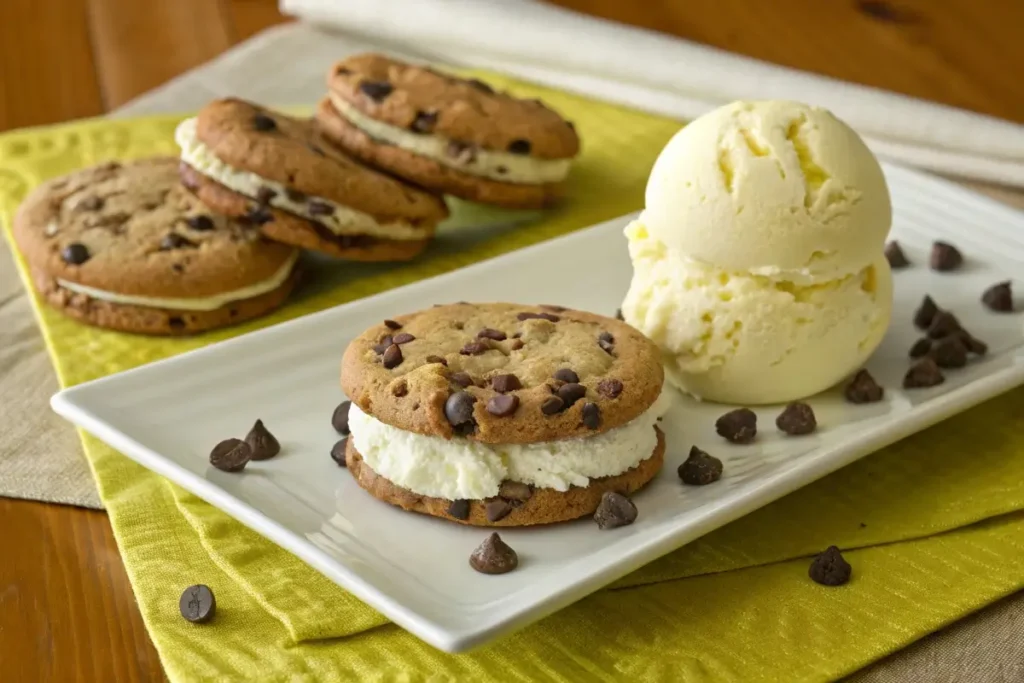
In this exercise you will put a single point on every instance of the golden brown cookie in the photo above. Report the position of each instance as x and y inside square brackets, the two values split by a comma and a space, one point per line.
[446, 133]
[125, 246]
[257, 164]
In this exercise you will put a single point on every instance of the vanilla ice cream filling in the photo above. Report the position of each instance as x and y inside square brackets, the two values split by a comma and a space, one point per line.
[486, 163]
[207, 303]
[459, 468]
[342, 220]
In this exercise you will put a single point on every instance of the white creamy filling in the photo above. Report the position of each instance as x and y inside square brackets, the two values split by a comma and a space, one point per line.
[503, 166]
[341, 220]
[462, 469]
[208, 303]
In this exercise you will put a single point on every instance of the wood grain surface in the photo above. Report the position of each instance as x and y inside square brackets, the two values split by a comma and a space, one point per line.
[66, 608]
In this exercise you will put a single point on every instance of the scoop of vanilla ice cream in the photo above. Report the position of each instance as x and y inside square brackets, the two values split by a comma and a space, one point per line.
[773, 188]
[749, 339]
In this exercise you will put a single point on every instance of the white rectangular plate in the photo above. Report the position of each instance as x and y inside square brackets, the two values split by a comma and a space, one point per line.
[414, 569]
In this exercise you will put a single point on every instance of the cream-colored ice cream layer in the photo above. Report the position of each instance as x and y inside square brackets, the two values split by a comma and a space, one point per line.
[208, 303]
[503, 166]
[342, 221]
[748, 339]
[774, 188]
[462, 469]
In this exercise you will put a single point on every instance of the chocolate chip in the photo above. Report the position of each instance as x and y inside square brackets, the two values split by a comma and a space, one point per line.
[829, 568]
[459, 509]
[526, 315]
[943, 324]
[264, 195]
[263, 123]
[392, 325]
[258, 215]
[796, 419]
[515, 491]
[519, 146]
[591, 415]
[458, 409]
[566, 375]
[553, 307]
[176, 323]
[570, 393]
[295, 195]
[262, 443]
[973, 345]
[895, 256]
[863, 389]
[173, 240]
[497, 509]
[925, 313]
[424, 122]
[607, 347]
[700, 468]
[614, 510]
[609, 388]
[339, 420]
[618, 314]
[552, 405]
[437, 359]
[945, 257]
[998, 298]
[921, 347]
[338, 452]
[75, 253]
[399, 389]
[606, 337]
[200, 223]
[479, 85]
[179, 268]
[463, 152]
[403, 338]
[505, 383]
[923, 374]
[950, 352]
[475, 348]
[230, 455]
[463, 379]
[376, 90]
[319, 208]
[737, 426]
[197, 604]
[392, 357]
[503, 405]
[489, 333]
[494, 556]
[516, 344]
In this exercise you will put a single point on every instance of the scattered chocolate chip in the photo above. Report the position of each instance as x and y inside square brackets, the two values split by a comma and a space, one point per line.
[75, 253]
[606, 337]
[392, 357]
[527, 315]
[922, 374]
[197, 604]
[200, 223]
[945, 257]
[231, 455]
[463, 152]
[609, 388]
[475, 348]
[382, 346]
[459, 509]
[295, 195]
[399, 389]
[403, 338]
[925, 313]
[515, 490]
[700, 468]
[566, 375]
[829, 568]
[437, 359]
[505, 383]
[591, 416]
[517, 335]
[489, 333]
[479, 85]
[618, 314]
[497, 509]
[262, 443]
[552, 405]
[338, 452]
[176, 323]
[463, 379]
[519, 146]
[264, 195]
[503, 405]
[319, 208]
[921, 347]
[392, 325]
[494, 556]
[173, 240]
[339, 420]
[737, 426]
[516, 344]
[607, 347]
[796, 419]
[614, 510]
[895, 256]
[570, 393]
[944, 324]
[424, 122]
[458, 409]
[263, 123]
[950, 352]
[973, 345]
[376, 90]
[180, 268]
[998, 298]
[863, 389]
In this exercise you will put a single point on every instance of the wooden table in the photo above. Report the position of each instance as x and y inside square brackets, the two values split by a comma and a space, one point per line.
[66, 608]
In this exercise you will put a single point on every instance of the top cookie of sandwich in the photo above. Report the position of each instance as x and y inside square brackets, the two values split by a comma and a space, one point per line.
[502, 373]
[291, 152]
[468, 111]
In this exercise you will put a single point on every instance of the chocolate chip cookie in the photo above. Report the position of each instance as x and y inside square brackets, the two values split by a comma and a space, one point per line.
[279, 174]
[453, 135]
[125, 246]
[503, 414]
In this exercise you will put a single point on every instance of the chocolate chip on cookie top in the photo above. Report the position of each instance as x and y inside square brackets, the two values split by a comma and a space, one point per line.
[502, 373]
[467, 111]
